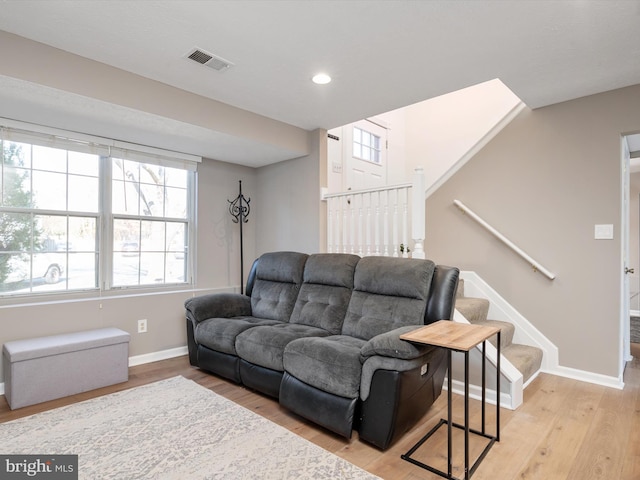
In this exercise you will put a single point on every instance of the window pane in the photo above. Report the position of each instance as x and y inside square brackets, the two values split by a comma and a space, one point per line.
[16, 187]
[126, 270]
[16, 231]
[16, 154]
[153, 174]
[175, 177]
[125, 198]
[15, 273]
[176, 203]
[49, 268]
[52, 231]
[176, 238]
[84, 164]
[84, 193]
[82, 272]
[126, 170]
[176, 268]
[357, 150]
[82, 235]
[151, 200]
[152, 237]
[151, 268]
[126, 237]
[49, 190]
[357, 135]
[50, 159]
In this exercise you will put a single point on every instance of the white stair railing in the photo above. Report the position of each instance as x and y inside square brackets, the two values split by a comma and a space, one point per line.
[377, 221]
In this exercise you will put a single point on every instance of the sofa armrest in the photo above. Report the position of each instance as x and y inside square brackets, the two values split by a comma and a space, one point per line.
[221, 305]
[390, 345]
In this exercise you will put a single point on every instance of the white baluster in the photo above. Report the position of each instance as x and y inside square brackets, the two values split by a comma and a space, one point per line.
[405, 226]
[418, 213]
[368, 224]
[376, 226]
[386, 227]
[396, 247]
[353, 224]
[341, 226]
[360, 227]
[330, 226]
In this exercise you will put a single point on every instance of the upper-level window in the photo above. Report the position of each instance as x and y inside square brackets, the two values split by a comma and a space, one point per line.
[366, 145]
[74, 216]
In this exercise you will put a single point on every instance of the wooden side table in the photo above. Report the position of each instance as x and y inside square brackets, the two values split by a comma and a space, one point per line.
[458, 337]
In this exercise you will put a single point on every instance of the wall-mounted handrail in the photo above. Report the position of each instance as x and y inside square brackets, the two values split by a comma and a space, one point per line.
[537, 267]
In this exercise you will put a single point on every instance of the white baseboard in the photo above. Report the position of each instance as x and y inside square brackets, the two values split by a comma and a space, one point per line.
[589, 377]
[475, 392]
[157, 356]
[145, 358]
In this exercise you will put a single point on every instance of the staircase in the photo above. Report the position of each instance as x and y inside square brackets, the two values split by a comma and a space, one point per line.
[526, 359]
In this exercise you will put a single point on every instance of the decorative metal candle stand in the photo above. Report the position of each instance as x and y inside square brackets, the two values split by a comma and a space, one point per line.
[239, 210]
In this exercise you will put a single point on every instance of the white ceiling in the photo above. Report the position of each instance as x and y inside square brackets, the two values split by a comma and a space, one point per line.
[382, 55]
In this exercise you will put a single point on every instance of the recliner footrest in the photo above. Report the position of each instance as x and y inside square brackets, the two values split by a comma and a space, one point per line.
[330, 411]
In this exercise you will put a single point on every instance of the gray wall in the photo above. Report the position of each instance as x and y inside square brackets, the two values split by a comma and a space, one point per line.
[289, 213]
[544, 182]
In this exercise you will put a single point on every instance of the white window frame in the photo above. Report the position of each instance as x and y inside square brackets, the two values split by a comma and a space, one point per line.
[371, 148]
[13, 130]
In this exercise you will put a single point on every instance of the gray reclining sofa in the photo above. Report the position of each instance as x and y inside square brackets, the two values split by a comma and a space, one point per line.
[321, 334]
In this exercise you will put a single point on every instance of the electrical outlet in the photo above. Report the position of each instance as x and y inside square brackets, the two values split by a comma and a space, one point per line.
[142, 326]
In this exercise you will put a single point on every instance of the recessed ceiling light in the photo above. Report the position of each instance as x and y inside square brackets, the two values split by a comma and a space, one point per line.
[321, 79]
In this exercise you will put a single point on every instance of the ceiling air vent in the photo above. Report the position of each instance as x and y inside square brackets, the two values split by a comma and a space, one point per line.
[208, 59]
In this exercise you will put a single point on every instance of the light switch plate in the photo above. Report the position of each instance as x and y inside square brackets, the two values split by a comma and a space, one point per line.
[604, 232]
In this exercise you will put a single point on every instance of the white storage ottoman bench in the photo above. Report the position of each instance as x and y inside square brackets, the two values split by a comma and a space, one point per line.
[41, 369]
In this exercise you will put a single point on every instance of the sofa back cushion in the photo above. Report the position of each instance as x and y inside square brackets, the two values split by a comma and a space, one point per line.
[325, 291]
[388, 293]
[277, 282]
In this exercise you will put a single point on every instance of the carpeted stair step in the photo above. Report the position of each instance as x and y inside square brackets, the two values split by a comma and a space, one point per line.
[460, 291]
[506, 331]
[474, 309]
[525, 358]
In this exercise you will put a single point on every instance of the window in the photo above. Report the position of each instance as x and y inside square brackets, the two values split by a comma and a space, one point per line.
[81, 216]
[366, 145]
[150, 223]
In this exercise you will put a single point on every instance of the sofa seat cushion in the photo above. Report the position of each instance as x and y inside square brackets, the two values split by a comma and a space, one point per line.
[331, 364]
[220, 333]
[265, 345]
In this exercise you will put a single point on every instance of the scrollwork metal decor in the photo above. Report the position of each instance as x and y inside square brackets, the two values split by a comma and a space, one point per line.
[239, 209]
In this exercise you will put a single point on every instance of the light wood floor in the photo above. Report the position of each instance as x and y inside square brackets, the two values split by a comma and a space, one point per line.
[565, 429]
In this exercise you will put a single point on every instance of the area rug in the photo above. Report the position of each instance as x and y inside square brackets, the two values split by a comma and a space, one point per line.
[172, 429]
